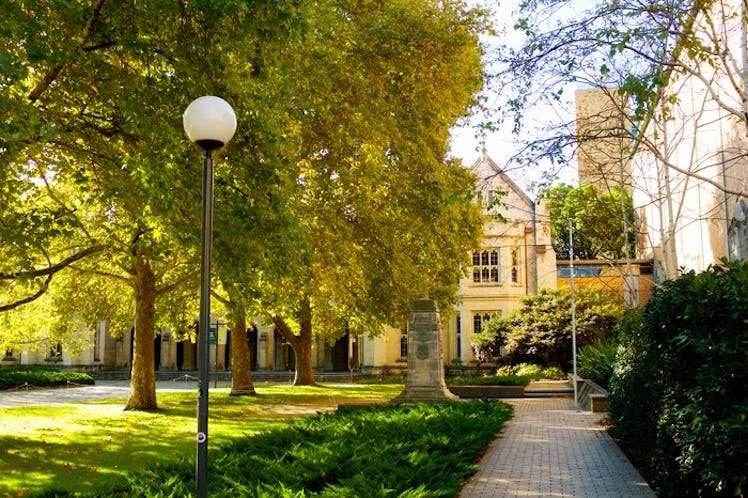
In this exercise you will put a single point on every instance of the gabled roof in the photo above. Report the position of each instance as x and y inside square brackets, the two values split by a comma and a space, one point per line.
[487, 170]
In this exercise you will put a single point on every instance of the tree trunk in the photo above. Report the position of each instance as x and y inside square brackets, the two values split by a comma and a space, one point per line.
[303, 351]
[241, 371]
[143, 377]
[301, 344]
[302, 348]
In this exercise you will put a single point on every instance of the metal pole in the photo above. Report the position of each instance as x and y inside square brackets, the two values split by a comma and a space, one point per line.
[215, 360]
[201, 470]
[573, 313]
[215, 363]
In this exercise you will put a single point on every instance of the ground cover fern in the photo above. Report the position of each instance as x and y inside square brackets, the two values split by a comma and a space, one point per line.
[404, 451]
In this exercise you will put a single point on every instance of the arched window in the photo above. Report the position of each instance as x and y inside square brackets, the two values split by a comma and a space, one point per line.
[486, 267]
[480, 319]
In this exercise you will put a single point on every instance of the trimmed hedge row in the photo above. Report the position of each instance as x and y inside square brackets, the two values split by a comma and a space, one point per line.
[679, 392]
[13, 377]
[488, 380]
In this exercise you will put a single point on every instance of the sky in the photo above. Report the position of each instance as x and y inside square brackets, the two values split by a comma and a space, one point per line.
[467, 143]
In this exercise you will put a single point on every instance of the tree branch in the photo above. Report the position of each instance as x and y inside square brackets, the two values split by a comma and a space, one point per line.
[37, 295]
[51, 270]
[283, 329]
[54, 72]
[180, 281]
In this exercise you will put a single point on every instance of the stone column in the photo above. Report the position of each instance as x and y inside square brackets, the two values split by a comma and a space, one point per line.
[263, 362]
[189, 355]
[168, 351]
[425, 378]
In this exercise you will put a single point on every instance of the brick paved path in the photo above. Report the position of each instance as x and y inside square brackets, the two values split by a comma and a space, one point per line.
[548, 449]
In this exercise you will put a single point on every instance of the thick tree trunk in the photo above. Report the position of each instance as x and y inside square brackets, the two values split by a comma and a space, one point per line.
[301, 344]
[241, 372]
[303, 348]
[143, 377]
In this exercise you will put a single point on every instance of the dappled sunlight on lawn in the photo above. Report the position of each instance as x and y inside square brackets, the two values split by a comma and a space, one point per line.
[83, 446]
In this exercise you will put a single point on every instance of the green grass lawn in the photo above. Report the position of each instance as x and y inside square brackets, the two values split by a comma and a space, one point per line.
[84, 446]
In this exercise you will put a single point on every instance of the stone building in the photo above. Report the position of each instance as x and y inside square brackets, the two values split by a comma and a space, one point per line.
[686, 162]
[514, 259]
[603, 135]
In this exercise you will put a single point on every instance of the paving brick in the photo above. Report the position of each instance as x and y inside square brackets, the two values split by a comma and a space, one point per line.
[550, 449]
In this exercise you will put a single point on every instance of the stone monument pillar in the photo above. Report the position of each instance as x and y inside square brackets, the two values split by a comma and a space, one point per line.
[425, 380]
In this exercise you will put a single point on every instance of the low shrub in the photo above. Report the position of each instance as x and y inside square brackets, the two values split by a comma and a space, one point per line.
[488, 380]
[542, 324]
[551, 372]
[679, 392]
[13, 377]
[488, 342]
[420, 450]
[533, 371]
[596, 362]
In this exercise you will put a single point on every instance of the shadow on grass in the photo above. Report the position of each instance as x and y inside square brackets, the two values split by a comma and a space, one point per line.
[84, 446]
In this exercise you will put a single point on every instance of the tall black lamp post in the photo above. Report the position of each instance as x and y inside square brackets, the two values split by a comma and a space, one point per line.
[210, 122]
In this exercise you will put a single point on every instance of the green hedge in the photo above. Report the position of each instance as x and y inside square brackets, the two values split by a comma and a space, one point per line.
[679, 392]
[407, 451]
[488, 380]
[533, 371]
[13, 377]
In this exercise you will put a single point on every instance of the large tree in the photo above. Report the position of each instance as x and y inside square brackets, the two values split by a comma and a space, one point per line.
[254, 230]
[382, 217]
[347, 125]
[600, 230]
[93, 93]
